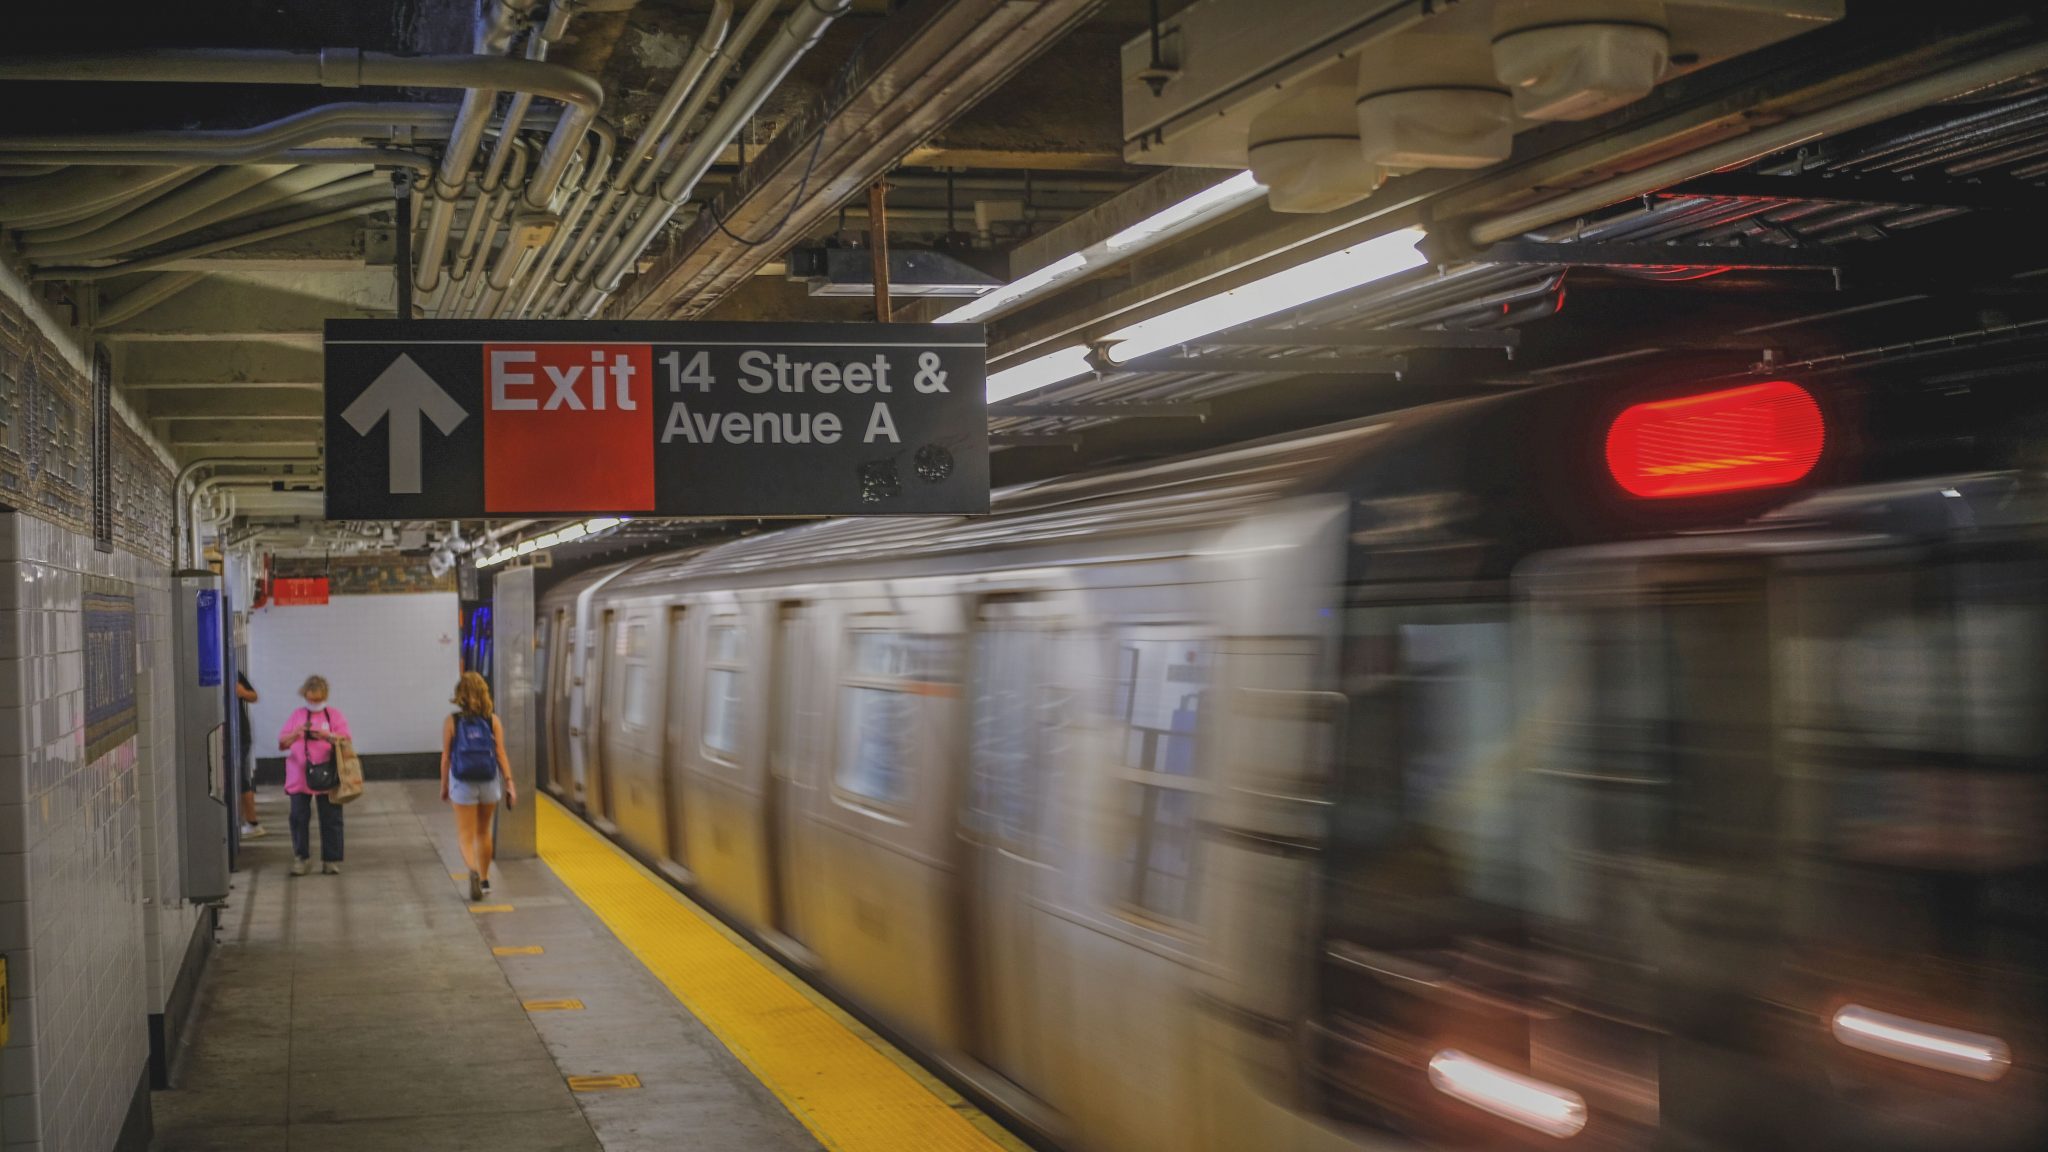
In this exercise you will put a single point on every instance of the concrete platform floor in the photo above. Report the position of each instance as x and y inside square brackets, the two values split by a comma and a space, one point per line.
[368, 1011]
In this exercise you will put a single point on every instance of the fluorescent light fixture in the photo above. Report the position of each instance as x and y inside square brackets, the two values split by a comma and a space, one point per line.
[563, 535]
[1968, 1054]
[1238, 190]
[1041, 372]
[1525, 1100]
[527, 546]
[1340, 271]
[1016, 290]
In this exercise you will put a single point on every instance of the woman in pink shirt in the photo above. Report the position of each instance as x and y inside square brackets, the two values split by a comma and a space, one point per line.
[308, 739]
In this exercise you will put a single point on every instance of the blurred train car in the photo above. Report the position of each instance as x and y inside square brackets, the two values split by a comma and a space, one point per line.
[1191, 806]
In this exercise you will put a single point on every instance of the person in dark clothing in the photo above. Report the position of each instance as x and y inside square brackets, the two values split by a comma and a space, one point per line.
[252, 825]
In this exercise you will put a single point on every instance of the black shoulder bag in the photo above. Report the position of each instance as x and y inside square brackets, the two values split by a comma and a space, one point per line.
[320, 777]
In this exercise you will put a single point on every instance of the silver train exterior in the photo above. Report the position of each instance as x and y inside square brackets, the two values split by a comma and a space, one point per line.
[1178, 807]
[1042, 792]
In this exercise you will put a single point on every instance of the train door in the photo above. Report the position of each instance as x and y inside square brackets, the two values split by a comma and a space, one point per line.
[560, 647]
[602, 712]
[675, 760]
[782, 802]
[1012, 708]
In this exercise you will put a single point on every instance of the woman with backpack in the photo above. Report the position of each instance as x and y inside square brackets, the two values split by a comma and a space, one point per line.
[475, 776]
[311, 771]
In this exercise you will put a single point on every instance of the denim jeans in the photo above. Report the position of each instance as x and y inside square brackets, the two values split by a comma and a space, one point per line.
[330, 827]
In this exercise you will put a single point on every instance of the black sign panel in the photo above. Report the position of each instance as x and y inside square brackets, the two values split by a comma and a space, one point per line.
[465, 419]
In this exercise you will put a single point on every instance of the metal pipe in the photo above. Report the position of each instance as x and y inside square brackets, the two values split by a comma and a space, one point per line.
[638, 188]
[69, 196]
[180, 509]
[348, 118]
[223, 244]
[595, 175]
[493, 36]
[492, 206]
[165, 220]
[102, 219]
[792, 41]
[1846, 116]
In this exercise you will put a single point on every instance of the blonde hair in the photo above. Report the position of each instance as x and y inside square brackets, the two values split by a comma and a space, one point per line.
[472, 695]
[314, 684]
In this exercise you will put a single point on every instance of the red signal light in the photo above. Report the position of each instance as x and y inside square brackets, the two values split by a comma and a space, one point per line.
[1757, 436]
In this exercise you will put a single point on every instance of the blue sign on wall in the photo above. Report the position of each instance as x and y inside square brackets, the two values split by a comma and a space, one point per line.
[209, 638]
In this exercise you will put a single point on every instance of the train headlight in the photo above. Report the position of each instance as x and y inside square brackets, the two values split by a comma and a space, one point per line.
[1952, 1050]
[1547, 1108]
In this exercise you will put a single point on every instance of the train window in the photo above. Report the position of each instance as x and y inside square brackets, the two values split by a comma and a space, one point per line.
[722, 688]
[1161, 685]
[1012, 707]
[889, 675]
[1421, 842]
[638, 677]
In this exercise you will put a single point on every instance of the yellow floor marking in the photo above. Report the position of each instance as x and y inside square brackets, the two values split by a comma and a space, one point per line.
[603, 1083]
[552, 1005]
[482, 908]
[458, 875]
[517, 950]
[853, 1095]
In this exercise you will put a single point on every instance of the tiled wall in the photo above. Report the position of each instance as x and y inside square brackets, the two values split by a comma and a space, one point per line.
[89, 915]
[390, 661]
[90, 922]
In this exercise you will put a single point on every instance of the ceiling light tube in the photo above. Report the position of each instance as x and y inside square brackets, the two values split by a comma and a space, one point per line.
[1016, 290]
[1214, 200]
[1340, 271]
[1041, 372]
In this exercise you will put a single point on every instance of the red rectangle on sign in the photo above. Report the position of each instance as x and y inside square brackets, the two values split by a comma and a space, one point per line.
[568, 428]
[298, 591]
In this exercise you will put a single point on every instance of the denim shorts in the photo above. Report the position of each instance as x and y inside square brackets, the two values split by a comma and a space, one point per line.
[490, 791]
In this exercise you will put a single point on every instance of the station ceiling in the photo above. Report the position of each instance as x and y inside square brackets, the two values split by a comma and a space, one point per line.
[1904, 236]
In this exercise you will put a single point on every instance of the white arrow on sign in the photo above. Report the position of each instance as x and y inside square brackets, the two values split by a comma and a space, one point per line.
[404, 394]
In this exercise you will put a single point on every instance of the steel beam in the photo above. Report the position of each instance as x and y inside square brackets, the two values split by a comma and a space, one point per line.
[1117, 409]
[1268, 365]
[931, 61]
[1368, 338]
[1936, 192]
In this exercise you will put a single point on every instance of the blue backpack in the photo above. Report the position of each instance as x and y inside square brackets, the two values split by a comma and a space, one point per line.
[474, 759]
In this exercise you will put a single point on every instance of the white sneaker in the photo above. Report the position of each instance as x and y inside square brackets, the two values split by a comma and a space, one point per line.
[330, 869]
[254, 832]
[299, 866]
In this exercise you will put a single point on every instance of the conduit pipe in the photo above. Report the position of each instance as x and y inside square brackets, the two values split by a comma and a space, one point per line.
[194, 197]
[493, 37]
[87, 225]
[796, 37]
[223, 244]
[595, 175]
[657, 140]
[1750, 146]
[301, 186]
[181, 509]
[493, 203]
[69, 196]
[224, 146]
[581, 96]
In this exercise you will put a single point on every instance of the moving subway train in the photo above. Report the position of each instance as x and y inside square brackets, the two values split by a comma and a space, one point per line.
[1631, 771]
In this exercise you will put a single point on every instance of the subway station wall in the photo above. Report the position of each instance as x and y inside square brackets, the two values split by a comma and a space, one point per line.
[390, 661]
[95, 935]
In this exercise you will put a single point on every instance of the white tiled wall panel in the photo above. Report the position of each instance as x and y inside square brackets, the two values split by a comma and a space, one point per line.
[89, 918]
[391, 662]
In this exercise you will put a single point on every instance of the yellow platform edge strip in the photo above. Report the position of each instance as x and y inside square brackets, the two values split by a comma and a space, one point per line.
[852, 1093]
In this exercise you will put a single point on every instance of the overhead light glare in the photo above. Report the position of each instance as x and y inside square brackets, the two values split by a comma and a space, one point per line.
[1527, 1101]
[1968, 1054]
[1340, 271]
[1240, 189]
[1042, 372]
[1016, 289]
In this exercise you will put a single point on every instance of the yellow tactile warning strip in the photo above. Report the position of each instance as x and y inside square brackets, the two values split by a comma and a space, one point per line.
[603, 1083]
[851, 1094]
[517, 950]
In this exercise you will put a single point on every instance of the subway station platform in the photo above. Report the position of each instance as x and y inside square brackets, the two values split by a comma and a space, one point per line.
[586, 1005]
